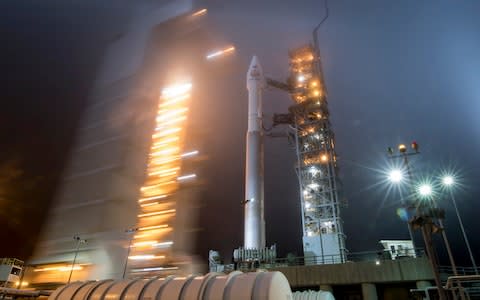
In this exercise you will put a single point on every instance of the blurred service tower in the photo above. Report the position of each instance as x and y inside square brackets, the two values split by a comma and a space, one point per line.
[129, 189]
[254, 172]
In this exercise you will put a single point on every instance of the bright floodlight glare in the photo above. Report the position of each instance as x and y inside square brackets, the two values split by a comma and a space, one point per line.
[425, 190]
[448, 180]
[175, 90]
[395, 176]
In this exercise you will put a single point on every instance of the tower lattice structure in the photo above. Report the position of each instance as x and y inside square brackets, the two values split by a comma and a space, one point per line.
[323, 236]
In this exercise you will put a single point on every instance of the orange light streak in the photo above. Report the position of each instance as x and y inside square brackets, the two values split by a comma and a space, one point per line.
[147, 228]
[199, 13]
[149, 204]
[164, 114]
[146, 257]
[166, 132]
[176, 90]
[165, 151]
[220, 52]
[144, 243]
[157, 213]
[164, 142]
[139, 236]
[174, 121]
[152, 198]
[164, 161]
[163, 171]
[174, 100]
[148, 187]
[171, 174]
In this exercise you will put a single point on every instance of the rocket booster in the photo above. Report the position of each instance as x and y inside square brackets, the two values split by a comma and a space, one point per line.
[254, 233]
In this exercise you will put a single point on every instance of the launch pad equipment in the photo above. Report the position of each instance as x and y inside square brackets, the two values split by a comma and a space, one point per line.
[316, 167]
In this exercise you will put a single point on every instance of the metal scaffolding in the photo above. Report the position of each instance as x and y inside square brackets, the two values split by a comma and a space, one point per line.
[323, 237]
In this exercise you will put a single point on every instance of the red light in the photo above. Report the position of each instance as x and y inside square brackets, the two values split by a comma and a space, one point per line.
[415, 146]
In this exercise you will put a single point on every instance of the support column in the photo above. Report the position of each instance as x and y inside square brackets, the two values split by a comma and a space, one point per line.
[369, 291]
[326, 288]
[423, 284]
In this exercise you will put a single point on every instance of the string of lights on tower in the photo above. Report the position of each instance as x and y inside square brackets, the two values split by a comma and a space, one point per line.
[323, 237]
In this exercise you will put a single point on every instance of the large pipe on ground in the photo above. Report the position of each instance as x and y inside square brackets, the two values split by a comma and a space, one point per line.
[213, 286]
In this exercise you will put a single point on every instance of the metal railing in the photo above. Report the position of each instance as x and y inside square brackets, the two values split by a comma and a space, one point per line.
[461, 271]
[364, 256]
[464, 287]
[11, 262]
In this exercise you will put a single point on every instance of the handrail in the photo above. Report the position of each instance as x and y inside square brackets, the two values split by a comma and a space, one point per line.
[460, 270]
[364, 256]
[452, 279]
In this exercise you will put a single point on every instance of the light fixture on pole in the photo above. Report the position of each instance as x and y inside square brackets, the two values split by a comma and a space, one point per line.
[395, 176]
[426, 193]
[448, 182]
[423, 219]
[425, 190]
[79, 241]
[129, 231]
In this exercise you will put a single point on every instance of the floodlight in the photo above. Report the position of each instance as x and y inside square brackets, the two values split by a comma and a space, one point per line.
[425, 190]
[448, 180]
[395, 176]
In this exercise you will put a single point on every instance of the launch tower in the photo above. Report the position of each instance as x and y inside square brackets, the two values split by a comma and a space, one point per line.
[323, 237]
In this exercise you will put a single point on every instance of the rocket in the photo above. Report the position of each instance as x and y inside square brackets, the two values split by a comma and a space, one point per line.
[254, 231]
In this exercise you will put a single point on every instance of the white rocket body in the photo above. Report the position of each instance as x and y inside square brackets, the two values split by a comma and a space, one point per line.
[254, 173]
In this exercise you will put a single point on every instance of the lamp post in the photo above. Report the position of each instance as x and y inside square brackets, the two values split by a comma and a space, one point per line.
[423, 219]
[79, 241]
[130, 231]
[396, 176]
[448, 181]
[426, 192]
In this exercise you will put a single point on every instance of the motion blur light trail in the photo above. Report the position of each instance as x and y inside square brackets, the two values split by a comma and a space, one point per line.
[220, 52]
[158, 193]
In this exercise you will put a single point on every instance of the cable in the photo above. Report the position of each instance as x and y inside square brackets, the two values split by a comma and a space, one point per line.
[317, 47]
[325, 2]
[315, 30]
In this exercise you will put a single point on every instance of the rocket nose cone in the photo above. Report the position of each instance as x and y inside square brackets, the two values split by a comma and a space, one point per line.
[255, 71]
[254, 62]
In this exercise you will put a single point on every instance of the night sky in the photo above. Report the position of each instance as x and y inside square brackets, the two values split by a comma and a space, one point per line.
[396, 71]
